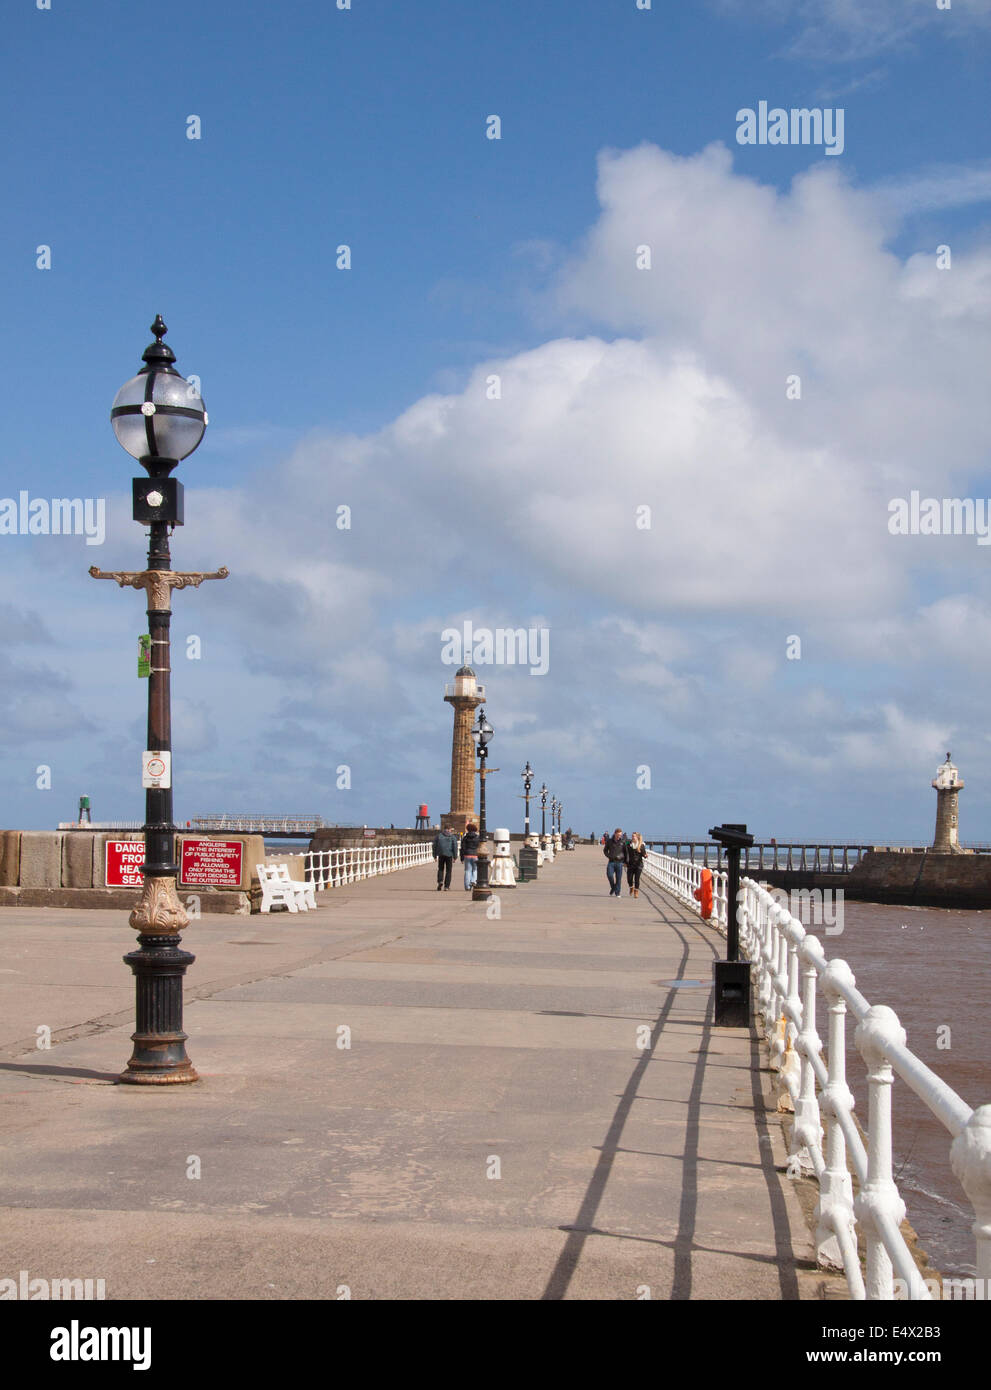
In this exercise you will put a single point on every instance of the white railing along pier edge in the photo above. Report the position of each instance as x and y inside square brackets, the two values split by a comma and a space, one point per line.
[789, 965]
[334, 868]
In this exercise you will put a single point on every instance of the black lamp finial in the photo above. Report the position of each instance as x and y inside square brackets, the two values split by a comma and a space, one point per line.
[158, 355]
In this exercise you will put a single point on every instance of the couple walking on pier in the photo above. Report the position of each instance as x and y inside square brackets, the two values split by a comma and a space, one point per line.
[446, 849]
[625, 853]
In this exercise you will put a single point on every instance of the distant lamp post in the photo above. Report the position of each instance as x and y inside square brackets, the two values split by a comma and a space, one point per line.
[547, 845]
[482, 734]
[527, 775]
[159, 418]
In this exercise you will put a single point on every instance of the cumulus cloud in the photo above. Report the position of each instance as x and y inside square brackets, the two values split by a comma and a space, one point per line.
[642, 485]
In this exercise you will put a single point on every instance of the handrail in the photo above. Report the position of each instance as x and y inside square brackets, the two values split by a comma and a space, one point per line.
[789, 964]
[334, 868]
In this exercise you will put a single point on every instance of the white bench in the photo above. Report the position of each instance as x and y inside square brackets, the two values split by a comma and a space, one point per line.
[277, 887]
[305, 892]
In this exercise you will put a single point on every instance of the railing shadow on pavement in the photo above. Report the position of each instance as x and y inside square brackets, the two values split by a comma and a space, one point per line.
[683, 1245]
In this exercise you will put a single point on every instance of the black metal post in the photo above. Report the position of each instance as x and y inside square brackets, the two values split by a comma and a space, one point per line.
[732, 976]
[481, 891]
[159, 964]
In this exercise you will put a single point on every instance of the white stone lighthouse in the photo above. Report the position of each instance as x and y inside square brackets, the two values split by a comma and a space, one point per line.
[948, 784]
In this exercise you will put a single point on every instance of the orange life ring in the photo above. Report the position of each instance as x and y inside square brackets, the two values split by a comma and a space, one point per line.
[703, 894]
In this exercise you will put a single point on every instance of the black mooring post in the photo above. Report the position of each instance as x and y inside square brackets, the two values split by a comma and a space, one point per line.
[731, 977]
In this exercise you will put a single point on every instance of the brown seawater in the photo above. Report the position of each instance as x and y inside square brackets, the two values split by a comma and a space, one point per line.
[933, 967]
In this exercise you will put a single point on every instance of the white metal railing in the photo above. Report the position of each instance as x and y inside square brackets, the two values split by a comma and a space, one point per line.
[681, 877]
[789, 965]
[333, 868]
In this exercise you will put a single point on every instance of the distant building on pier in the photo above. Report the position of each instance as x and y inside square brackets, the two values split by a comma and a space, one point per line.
[948, 785]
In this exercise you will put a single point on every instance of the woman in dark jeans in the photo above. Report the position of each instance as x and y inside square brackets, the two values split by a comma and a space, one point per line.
[636, 853]
[469, 855]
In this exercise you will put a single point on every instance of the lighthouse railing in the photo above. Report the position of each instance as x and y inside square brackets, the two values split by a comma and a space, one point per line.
[826, 1142]
[336, 868]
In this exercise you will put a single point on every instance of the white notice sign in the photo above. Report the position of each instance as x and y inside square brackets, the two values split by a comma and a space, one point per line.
[156, 769]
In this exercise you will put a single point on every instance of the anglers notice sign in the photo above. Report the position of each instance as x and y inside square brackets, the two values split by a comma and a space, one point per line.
[213, 862]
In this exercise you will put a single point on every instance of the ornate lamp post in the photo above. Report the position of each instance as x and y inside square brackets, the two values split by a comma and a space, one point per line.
[159, 418]
[527, 775]
[482, 734]
[547, 846]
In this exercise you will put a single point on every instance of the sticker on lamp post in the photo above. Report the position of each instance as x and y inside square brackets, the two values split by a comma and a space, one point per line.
[144, 655]
[156, 769]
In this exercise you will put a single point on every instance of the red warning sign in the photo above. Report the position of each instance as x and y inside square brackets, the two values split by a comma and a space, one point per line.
[123, 863]
[216, 863]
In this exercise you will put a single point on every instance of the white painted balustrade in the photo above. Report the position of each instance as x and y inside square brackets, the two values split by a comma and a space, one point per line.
[681, 878]
[788, 968]
[334, 868]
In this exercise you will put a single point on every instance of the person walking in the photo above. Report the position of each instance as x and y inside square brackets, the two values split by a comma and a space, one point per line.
[469, 856]
[636, 853]
[615, 851]
[445, 852]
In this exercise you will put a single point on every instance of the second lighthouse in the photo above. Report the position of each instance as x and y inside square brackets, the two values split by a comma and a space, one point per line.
[465, 695]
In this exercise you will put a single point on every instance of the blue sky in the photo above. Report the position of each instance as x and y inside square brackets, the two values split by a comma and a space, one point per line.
[366, 387]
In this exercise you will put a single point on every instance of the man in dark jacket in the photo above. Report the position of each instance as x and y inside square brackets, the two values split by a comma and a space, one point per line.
[615, 852]
[445, 852]
[469, 854]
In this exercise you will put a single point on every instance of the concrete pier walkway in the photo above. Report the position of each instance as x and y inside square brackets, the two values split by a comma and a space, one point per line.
[495, 1130]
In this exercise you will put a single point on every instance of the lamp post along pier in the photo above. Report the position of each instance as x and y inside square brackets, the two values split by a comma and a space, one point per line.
[482, 734]
[546, 842]
[159, 418]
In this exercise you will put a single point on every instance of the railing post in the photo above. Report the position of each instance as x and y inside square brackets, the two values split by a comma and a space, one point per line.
[791, 1067]
[807, 1131]
[970, 1157]
[878, 1200]
[762, 957]
[779, 978]
[835, 1207]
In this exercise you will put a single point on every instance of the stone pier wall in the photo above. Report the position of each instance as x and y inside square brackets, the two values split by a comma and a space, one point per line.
[920, 878]
[67, 868]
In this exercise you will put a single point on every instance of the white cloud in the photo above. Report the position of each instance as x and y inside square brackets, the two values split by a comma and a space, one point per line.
[668, 391]
[893, 740]
[852, 30]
